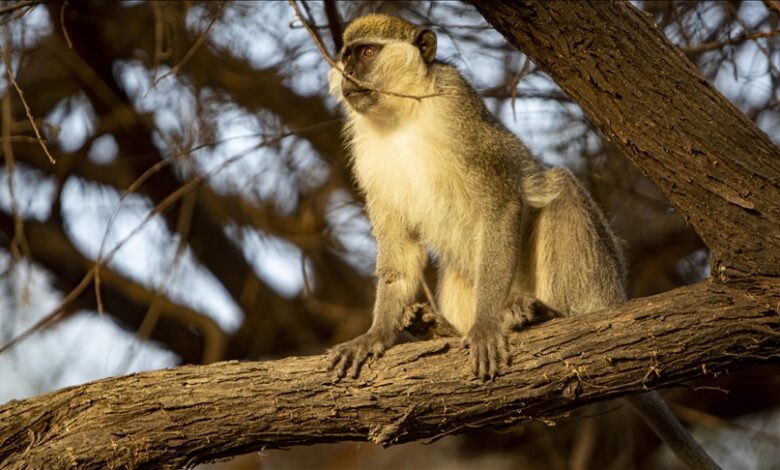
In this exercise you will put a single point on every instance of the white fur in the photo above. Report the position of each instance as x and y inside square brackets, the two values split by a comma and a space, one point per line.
[403, 161]
[407, 171]
[411, 180]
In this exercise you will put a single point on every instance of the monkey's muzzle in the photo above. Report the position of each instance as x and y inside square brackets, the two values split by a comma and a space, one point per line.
[360, 99]
[350, 89]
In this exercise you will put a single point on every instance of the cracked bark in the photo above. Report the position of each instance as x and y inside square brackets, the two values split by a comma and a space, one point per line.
[182, 416]
[719, 169]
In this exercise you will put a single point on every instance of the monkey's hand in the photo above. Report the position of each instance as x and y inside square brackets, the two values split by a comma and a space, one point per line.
[356, 352]
[488, 348]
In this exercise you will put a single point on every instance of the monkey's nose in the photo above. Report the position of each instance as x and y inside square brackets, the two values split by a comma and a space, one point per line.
[349, 88]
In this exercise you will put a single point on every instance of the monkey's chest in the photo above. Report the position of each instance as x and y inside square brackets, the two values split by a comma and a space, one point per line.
[416, 184]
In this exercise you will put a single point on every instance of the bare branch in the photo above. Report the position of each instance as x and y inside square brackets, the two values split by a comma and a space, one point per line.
[9, 72]
[191, 51]
[103, 259]
[62, 25]
[744, 37]
[20, 249]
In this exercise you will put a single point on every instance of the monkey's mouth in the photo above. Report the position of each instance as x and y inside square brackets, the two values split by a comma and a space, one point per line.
[355, 92]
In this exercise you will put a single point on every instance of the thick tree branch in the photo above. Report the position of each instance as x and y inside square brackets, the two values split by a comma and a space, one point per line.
[714, 164]
[192, 414]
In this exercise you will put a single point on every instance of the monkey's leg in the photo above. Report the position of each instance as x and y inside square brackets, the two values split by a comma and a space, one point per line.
[456, 299]
[497, 259]
[400, 261]
[458, 304]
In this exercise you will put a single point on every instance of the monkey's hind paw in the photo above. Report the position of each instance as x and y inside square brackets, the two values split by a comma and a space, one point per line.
[524, 309]
[423, 322]
[351, 356]
[488, 350]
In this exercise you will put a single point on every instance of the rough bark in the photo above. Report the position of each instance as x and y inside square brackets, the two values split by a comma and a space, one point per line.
[719, 169]
[192, 414]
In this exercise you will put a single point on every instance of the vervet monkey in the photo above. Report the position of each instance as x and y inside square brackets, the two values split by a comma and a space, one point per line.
[440, 173]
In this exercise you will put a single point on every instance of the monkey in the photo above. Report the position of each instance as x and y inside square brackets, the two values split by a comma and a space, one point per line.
[443, 177]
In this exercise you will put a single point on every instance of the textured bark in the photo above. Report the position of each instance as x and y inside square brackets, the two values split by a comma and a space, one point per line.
[191, 414]
[719, 169]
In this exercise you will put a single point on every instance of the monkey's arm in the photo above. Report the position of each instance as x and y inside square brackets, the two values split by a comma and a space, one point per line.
[499, 243]
[399, 265]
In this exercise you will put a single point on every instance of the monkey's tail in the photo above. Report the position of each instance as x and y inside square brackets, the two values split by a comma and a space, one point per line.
[658, 416]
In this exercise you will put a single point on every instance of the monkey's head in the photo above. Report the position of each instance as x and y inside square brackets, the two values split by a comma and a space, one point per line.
[385, 53]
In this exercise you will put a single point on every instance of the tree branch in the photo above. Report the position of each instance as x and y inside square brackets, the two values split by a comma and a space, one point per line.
[719, 169]
[421, 390]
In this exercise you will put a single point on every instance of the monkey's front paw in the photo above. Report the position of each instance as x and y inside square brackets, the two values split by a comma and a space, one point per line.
[488, 349]
[356, 352]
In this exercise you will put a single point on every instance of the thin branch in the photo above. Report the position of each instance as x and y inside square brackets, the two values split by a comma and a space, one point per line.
[158, 38]
[9, 72]
[16, 15]
[192, 50]
[62, 25]
[694, 416]
[15, 6]
[20, 248]
[154, 311]
[739, 39]
[103, 259]
[334, 23]
[430, 297]
[772, 5]
[53, 314]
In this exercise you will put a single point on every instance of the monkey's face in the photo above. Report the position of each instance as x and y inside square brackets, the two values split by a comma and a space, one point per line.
[379, 66]
[359, 61]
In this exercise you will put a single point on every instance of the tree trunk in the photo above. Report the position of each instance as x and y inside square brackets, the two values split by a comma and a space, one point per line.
[719, 169]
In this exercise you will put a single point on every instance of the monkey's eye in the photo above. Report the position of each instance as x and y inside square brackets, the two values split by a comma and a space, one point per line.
[346, 56]
[367, 52]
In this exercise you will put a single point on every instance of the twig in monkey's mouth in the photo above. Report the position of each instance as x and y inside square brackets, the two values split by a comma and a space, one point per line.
[355, 92]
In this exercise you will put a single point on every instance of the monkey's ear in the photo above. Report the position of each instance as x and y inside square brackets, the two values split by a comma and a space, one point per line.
[425, 40]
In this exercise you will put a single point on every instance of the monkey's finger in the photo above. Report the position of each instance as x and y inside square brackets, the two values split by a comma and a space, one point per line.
[493, 359]
[361, 355]
[334, 356]
[341, 364]
[503, 351]
[474, 359]
[484, 360]
[377, 350]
